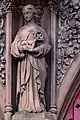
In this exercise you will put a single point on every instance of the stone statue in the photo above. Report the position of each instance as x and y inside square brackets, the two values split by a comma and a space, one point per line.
[30, 47]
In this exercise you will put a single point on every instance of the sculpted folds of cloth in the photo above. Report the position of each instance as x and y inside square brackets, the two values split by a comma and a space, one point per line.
[30, 47]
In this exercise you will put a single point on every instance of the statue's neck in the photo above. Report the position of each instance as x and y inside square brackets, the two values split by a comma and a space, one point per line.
[31, 22]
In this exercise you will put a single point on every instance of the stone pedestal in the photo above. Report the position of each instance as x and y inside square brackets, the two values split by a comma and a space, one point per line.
[32, 116]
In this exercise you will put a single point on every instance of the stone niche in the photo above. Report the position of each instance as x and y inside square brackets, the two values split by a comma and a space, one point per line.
[18, 22]
[14, 21]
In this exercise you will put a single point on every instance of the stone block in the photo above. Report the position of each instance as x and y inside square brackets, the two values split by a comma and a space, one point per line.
[32, 116]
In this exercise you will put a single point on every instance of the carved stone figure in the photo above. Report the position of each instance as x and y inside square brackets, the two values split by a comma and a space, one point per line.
[30, 47]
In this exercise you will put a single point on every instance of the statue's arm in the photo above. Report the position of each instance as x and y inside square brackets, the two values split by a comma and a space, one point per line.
[41, 50]
[16, 48]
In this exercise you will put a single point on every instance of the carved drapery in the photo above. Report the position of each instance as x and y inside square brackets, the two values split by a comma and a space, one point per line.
[68, 36]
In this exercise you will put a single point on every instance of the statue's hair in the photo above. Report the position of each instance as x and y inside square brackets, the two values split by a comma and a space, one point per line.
[31, 8]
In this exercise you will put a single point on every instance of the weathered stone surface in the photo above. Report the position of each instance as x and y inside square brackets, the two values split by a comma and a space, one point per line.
[32, 116]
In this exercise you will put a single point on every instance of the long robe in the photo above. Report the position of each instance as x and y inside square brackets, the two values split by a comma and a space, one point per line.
[31, 71]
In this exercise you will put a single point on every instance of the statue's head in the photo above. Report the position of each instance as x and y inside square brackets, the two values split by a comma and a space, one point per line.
[29, 12]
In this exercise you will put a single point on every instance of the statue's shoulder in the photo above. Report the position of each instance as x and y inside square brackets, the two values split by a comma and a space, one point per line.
[39, 28]
[22, 28]
[28, 27]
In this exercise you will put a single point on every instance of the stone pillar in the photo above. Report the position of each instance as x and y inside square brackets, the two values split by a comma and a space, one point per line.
[52, 8]
[8, 107]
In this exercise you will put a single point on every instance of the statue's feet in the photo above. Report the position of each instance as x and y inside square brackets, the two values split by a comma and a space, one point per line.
[31, 110]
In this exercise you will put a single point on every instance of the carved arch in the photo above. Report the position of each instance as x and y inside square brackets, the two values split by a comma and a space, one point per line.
[69, 87]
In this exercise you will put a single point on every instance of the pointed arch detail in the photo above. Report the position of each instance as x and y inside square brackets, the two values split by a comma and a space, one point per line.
[68, 88]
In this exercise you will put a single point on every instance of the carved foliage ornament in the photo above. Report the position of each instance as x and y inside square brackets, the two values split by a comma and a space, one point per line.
[8, 5]
[2, 45]
[68, 37]
[52, 5]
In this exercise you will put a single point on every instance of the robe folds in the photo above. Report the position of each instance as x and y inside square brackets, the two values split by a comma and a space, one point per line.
[31, 71]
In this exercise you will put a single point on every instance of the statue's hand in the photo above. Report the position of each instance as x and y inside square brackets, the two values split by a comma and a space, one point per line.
[22, 45]
[37, 49]
[28, 45]
[23, 42]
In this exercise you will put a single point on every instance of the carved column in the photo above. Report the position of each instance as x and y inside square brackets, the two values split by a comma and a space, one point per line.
[53, 109]
[8, 107]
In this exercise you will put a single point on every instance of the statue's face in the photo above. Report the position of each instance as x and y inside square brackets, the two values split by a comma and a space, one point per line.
[28, 14]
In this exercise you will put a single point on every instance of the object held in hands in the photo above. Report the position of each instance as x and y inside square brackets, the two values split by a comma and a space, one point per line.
[33, 40]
